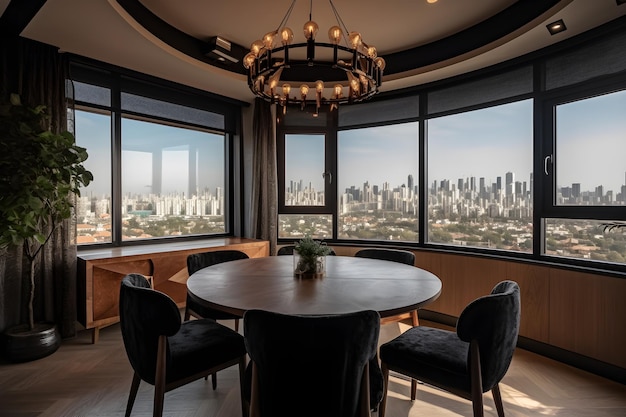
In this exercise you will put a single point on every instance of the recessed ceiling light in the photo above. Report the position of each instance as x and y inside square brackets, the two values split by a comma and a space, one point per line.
[435, 1]
[556, 27]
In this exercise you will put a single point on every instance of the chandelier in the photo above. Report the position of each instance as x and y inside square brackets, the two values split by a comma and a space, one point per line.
[276, 66]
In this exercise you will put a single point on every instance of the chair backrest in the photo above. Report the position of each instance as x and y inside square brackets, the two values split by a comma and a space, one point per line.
[493, 321]
[394, 255]
[310, 366]
[197, 261]
[288, 250]
[145, 314]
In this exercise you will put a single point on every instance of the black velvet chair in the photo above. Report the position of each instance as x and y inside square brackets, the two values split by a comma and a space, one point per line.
[312, 366]
[393, 255]
[288, 250]
[197, 261]
[165, 353]
[467, 362]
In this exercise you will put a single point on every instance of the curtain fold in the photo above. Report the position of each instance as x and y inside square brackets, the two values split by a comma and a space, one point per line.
[38, 73]
[264, 175]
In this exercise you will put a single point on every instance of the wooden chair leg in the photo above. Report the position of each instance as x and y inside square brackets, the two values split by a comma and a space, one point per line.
[364, 394]
[476, 380]
[214, 380]
[245, 406]
[134, 387]
[414, 318]
[237, 325]
[383, 403]
[497, 398]
[413, 389]
[254, 393]
[159, 380]
[187, 314]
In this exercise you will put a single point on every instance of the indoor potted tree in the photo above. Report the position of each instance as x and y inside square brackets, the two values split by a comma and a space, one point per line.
[40, 172]
[309, 258]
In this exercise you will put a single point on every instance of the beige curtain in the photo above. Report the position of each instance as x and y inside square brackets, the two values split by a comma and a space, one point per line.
[37, 72]
[264, 175]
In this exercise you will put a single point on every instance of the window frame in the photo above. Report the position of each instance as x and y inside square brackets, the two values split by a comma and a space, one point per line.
[543, 187]
[119, 81]
[547, 152]
[330, 184]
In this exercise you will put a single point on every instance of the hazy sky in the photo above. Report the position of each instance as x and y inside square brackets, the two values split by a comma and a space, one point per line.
[591, 142]
[486, 143]
[591, 147]
[139, 141]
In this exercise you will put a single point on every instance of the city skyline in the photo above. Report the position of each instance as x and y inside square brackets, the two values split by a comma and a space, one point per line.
[495, 139]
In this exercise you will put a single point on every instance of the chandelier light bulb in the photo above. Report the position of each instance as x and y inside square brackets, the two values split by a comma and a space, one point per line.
[256, 47]
[319, 86]
[310, 29]
[338, 90]
[286, 36]
[355, 39]
[380, 63]
[304, 90]
[354, 85]
[260, 83]
[334, 34]
[268, 39]
[286, 90]
[371, 52]
[248, 60]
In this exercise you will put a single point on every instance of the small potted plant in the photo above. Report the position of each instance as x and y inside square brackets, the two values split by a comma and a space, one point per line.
[309, 258]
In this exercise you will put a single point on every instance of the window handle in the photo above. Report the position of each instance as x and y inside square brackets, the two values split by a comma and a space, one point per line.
[545, 163]
[329, 175]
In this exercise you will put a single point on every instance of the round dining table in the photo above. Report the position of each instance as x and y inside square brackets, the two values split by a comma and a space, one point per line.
[349, 284]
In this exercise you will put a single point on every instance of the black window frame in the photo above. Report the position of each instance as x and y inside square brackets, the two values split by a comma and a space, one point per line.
[548, 150]
[119, 81]
[544, 101]
[330, 185]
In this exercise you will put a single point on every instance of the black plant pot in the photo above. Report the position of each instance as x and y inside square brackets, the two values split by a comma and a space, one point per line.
[23, 345]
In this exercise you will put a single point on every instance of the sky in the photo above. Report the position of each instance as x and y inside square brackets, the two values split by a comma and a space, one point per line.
[485, 143]
[138, 141]
[591, 142]
[591, 149]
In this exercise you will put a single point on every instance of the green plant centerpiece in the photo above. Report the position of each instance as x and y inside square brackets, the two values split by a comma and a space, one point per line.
[310, 257]
[40, 173]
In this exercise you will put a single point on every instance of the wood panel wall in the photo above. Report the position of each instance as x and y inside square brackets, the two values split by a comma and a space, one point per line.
[581, 312]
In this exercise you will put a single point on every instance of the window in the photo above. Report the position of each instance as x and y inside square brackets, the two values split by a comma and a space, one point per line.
[377, 168]
[480, 178]
[590, 149]
[172, 181]
[525, 159]
[587, 177]
[93, 209]
[305, 170]
[307, 179]
[161, 158]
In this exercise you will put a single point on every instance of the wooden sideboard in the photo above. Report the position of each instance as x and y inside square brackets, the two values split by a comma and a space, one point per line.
[101, 270]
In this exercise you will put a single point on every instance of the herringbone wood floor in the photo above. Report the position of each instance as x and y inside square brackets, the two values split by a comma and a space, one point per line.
[82, 379]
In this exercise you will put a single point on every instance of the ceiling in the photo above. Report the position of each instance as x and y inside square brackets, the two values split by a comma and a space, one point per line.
[422, 42]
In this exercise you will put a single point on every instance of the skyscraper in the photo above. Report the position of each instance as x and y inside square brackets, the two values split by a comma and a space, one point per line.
[510, 181]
